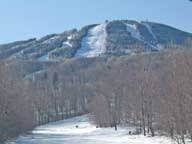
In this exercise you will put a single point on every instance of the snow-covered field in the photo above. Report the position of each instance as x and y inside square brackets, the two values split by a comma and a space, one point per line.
[65, 132]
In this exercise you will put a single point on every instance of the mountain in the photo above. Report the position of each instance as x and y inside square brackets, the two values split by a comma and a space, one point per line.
[119, 37]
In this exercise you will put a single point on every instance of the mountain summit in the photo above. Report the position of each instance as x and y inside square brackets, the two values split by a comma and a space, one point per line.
[119, 37]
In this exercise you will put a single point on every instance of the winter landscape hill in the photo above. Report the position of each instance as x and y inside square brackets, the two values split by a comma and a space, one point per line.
[95, 72]
[120, 81]
[118, 37]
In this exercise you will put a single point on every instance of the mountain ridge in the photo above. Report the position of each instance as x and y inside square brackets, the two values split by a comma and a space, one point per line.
[117, 37]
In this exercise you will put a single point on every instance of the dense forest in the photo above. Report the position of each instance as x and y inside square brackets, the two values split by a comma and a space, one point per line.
[150, 91]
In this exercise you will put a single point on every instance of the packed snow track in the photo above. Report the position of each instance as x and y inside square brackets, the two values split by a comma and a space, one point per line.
[79, 130]
[93, 45]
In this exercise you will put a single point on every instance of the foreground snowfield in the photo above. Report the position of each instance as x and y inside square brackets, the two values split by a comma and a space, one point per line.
[65, 132]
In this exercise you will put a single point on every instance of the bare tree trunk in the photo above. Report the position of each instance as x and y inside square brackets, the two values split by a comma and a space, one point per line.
[143, 120]
[183, 137]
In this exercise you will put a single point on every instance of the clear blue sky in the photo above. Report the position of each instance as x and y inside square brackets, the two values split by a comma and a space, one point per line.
[23, 19]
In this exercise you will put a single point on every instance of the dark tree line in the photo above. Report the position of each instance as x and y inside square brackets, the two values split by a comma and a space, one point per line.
[16, 108]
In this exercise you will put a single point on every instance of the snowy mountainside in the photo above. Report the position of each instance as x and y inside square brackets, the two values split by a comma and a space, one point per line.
[93, 44]
[118, 37]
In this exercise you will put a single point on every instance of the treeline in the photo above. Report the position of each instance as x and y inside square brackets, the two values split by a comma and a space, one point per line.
[16, 107]
[152, 92]
[25, 104]
[56, 101]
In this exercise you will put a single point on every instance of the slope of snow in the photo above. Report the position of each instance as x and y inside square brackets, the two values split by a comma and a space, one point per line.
[134, 31]
[67, 44]
[46, 56]
[150, 30]
[93, 44]
[65, 132]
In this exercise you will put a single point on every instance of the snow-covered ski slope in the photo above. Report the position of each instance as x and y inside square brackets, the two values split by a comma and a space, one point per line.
[65, 132]
[93, 44]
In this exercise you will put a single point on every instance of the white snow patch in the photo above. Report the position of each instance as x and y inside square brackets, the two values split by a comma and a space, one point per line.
[69, 37]
[136, 34]
[93, 44]
[55, 37]
[134, 31]
[65, 132]
[150, 30]
[66, 44]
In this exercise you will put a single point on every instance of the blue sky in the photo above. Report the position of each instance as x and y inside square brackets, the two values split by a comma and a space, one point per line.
[23, 19]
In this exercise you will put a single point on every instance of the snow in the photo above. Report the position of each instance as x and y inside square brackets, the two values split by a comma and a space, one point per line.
[66, 44]
[45, 57]
[69, 37]
[159, 47]
[134, 31]
[19, 53]
[136, 34]
[150, 30]
[65, 132]
[48, 41]
[93, 44]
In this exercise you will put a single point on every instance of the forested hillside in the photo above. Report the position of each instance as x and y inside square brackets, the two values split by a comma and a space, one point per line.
[151, 91]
